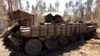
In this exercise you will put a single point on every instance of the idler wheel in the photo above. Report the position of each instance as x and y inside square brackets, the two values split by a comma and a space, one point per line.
[63, 40]
[33, 46]
[51, 44]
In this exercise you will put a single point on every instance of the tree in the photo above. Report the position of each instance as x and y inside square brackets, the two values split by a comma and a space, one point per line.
[81, 10]
[57, 6]
[3, 10]
[20, 4]
[43, 7]
[71, 7]
[97, 9]
[96, 12]
[14, 4]
[76, 10]
[65, 14]
[70, 3]
[40, 6]
[27, 5]
[51, 8]
[89, 9]
[34, 11]
[2, 7]
[66, 7]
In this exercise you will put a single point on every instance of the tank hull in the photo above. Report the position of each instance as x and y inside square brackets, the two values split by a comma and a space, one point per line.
[35, 39]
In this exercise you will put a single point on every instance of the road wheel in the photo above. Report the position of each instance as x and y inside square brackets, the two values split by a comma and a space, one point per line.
[33, 46]
[63, 40]
[51, 44]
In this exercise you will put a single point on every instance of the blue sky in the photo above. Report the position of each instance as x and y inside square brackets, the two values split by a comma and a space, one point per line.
[61, 3]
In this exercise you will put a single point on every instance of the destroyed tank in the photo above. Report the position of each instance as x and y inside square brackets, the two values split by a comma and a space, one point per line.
[34, 39]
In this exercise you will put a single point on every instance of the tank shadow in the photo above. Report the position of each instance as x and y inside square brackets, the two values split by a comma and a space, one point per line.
[67, 48]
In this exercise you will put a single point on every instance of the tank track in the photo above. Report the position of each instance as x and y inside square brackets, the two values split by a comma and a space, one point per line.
[19, 51]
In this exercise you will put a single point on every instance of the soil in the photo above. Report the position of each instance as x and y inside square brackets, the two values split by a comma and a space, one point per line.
[82, 48]
[3, 51]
